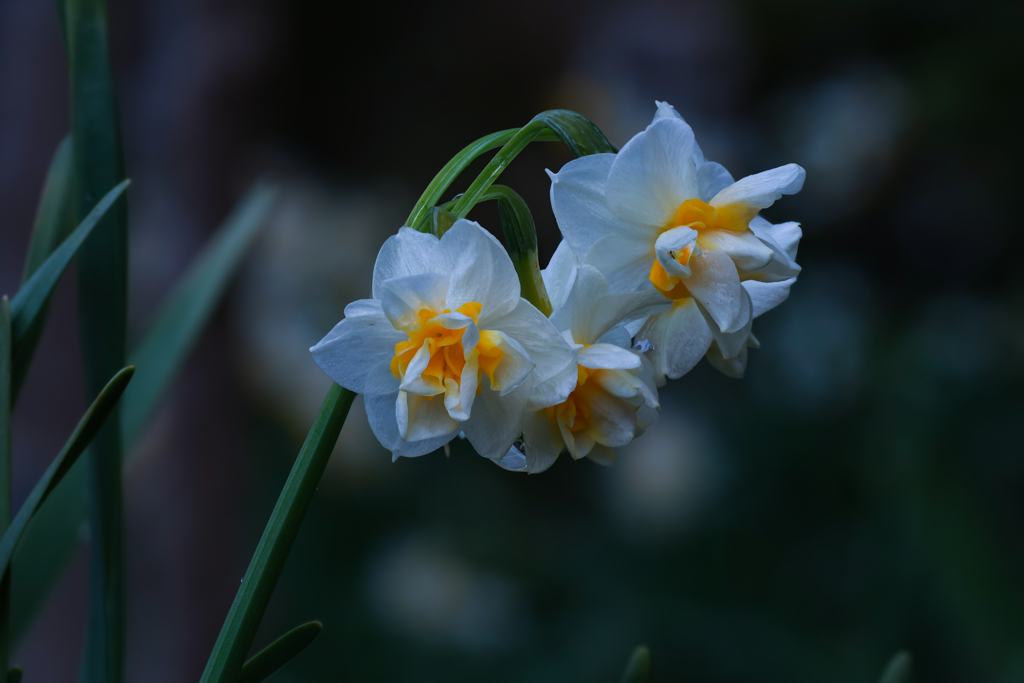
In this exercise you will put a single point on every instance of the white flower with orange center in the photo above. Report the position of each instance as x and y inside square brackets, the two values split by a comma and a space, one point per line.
[445, 345]
[613, 399]
[658, 215]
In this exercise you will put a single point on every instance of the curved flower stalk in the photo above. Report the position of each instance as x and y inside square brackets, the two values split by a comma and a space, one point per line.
[613, 399]
[446, 345]
[658, 216]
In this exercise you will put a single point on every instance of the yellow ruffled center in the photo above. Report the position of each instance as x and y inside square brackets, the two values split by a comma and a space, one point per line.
[447, 355]
[700, 216]
[574, 412]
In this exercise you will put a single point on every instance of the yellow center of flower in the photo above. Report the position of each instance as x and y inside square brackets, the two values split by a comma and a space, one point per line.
[447, 356]
[575, 410]
[700, 216]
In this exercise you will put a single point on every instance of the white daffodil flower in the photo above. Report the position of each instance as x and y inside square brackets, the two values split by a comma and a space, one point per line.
[446, 344]
[658, 215]
[613, 399]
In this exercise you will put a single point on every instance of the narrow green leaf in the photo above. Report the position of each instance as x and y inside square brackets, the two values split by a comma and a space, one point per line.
[102, 321]
[14, 675]
[898, 668]
[84, 433]
[440, 221]
[239, 628]
[188, 309]
[6, 347]
[638, 670]
[521, 239]
[576, 131]
[52, 224]
[29, 305]
[444, 178]
[280, 652]
[50, 541]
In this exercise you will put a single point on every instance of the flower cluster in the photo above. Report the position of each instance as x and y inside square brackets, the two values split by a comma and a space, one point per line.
[664, 260]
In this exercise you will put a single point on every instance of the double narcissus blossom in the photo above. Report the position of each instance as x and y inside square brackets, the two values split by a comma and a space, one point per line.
[613, 398]
[657, 215]
[445, 345]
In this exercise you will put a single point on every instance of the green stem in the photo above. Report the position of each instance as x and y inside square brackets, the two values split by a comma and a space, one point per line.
[6, 348]
[451, 171]
[102, 306]
[239, 628]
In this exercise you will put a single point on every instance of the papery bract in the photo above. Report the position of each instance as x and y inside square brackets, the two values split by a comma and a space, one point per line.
[657, 215]
[446, 344]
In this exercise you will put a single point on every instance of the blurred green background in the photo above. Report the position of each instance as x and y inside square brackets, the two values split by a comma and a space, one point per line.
[860, 491]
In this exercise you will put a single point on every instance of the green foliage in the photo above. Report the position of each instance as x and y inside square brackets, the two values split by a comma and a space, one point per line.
[280, 652]
[5, 471]
[30, 304]
[52, 225]
[84, 433]
[521, 238]
[239, 628]
[638, 670]
[14, 675]
[898, 669]
[52, 537]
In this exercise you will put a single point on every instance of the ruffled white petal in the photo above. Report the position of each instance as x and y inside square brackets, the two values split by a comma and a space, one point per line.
[786, 235]
[761, 190]
[515, 365]
[674, 240]
[744, 248]
[479, 271]
[380, 410]
[413, 381]
[542, 342]
[543, 441]
[730, 343]
[612, 421]
[715, 283]
[603, 455]
[608, 357]
[357, 353]
[653, 174]
[401, 297]
[679, 337]
[764, 296]
[409, 252]
[712, 178]
[556, 389]
[560, 273]
[496, 420]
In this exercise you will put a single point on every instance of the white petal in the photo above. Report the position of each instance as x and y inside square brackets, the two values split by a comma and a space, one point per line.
[744, 248]
[515, 365]
[783, 265]
[543, 441]
[730, 343]
[558, 276]
[556, 389]
[606, 356]
[479, 270]
[764, 296]
[715, 283]
[730, 367]
[763, 189]
[666, 111]
[680, 338]
[653, 174]
[674, 240]
[410, 252]
[496, 420]
[612, 421]
[542, 342]
[590, 229]
[620, 383]
[786, 235]
[624, 261]
[603, 455]
[712, 178]
[468, 382]
[589, 286]
[357, 353]
[380, 410]
[413, 381]
[402, 297]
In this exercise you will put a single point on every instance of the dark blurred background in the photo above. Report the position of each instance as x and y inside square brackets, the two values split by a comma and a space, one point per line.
[860, 491]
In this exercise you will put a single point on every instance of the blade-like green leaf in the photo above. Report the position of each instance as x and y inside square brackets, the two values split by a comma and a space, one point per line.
[444, 178]
[102, 321]
[5, 471]
[239, 628]
[280, 652]
[521, 238]
[51, 539]
[52, 225]
[576, 131]
[29, 305]
[188, 309]
[898, 669]
[84, 433]
[639, 668]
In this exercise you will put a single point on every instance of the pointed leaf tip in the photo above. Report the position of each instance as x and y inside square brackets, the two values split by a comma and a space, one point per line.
[280, 652]
[639, 668]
